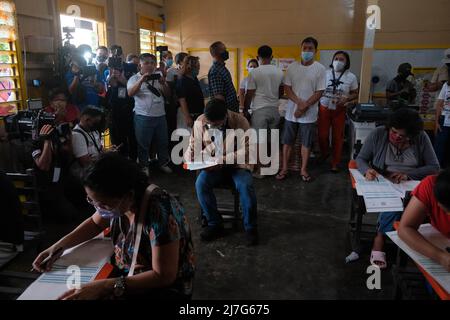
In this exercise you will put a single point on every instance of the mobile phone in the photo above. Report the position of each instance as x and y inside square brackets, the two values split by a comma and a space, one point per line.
[155, 76]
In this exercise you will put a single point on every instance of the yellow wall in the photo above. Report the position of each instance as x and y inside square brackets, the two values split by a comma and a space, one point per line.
[335, 23]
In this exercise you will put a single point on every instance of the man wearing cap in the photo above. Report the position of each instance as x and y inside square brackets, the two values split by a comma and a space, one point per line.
[400, 89]
[441, 75]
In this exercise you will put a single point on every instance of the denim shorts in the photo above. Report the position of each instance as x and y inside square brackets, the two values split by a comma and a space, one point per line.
[305, 130]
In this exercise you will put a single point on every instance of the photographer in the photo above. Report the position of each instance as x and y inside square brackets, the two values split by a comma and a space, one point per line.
[86, 140]
[85, 83]
[121, 107]
[149, 90]
[52, 156]
[59, 106]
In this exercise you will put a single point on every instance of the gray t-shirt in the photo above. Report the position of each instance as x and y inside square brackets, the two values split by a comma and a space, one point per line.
[147, 103]
[400, 162]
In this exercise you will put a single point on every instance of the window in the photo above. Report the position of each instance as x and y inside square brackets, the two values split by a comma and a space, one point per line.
[151, 35]
[11, 96]
[86, 31]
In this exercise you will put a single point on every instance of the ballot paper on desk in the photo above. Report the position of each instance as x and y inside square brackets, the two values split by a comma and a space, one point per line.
[435, 270]
[90, 257]
[207, 162]
[379, 195]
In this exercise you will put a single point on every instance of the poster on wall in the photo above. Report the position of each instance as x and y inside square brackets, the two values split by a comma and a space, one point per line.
[284, 63]
[425, 100]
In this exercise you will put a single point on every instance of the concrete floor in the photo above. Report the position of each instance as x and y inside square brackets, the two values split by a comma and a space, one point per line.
[303, 243]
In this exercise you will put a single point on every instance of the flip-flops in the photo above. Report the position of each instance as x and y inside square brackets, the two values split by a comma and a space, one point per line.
[282, 175]
[380, 257]
[306, 179]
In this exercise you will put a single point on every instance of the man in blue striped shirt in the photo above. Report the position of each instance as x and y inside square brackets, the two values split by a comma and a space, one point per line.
[219, 78]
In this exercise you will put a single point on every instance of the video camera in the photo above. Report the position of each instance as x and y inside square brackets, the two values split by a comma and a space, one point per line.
[60, 133]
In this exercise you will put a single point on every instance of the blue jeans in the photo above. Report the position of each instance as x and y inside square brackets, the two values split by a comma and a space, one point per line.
[441, 143]
[243, 182]
[386, 221]
[151, 130]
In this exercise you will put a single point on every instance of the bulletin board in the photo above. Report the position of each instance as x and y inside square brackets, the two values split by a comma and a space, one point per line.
[206, 62]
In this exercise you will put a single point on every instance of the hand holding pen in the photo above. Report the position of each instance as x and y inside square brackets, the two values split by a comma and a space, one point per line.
[46, 259]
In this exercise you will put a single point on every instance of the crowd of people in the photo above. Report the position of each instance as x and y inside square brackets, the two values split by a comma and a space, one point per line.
[143, 102]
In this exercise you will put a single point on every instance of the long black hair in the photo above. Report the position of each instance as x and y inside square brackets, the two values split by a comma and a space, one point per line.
[113, 175]
[347, 57]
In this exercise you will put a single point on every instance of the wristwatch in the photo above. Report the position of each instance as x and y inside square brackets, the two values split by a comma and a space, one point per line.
[119, 287]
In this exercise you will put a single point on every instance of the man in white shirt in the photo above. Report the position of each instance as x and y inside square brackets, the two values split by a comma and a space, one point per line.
[263, 89]
[86, 140]
[305, 82]
[148, 89]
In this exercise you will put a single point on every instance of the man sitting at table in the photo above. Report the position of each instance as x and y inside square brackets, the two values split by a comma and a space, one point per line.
[400, 151]
[430, 198]
[212, 136]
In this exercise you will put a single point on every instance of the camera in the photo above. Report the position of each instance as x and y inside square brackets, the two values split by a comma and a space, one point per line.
[153, 77]
[115, 63]
[88, 71]
[60, 133]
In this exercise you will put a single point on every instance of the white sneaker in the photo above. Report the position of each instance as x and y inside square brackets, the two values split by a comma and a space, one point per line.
[166, 169]
[146, 171]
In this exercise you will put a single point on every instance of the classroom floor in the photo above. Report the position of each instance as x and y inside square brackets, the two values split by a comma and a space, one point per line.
[303, 243]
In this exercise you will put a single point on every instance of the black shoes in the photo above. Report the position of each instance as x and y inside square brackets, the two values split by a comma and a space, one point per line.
[211, 233]
[252, 237]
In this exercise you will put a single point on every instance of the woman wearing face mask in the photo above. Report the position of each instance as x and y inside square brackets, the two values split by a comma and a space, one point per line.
[401, 151]
[341, 91]
[252, 64]
[59, 106]
[164, 265]
[189, 94]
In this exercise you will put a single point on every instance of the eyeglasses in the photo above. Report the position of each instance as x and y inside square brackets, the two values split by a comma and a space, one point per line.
[99, 205]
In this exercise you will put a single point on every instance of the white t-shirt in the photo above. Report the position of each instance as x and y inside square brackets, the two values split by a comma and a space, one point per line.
[80, 148]
[445, 95]
[305, 81]
[172, 73]
[266, 80]
[147, 103]
[348, 82]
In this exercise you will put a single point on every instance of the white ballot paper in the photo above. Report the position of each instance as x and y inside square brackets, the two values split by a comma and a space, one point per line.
[88, 258]
[435, 270]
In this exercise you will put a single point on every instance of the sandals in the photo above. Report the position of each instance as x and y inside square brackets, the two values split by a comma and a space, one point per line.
[281, 175]
[380, 257]
[306, 179]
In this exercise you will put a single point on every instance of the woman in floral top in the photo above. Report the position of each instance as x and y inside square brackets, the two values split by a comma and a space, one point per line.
[165, 262]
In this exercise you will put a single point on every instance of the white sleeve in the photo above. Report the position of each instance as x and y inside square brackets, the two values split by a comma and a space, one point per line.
[443, 92]
[354, 85]
[322, 80]
[287, 79]
[251, 84]
[80, 149]
[131, 83]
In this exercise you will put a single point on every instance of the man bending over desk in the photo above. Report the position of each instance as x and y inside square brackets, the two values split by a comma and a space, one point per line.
[430, 198]
[400, 151]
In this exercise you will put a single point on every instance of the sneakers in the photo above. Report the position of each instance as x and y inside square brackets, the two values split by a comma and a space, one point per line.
[252, 237]
[211, 233]
[166, 169]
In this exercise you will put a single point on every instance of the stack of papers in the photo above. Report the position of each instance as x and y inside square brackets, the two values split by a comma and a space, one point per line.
[89, 257]
[435, 270]
[381, 195]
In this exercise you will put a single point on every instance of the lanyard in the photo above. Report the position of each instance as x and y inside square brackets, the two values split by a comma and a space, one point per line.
[336, 82]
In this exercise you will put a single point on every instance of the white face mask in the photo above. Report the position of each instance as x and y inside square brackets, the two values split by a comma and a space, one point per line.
[338, 65]
[250, 69]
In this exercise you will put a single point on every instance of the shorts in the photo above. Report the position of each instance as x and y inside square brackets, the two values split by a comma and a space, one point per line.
[305, 130]
[265, 118]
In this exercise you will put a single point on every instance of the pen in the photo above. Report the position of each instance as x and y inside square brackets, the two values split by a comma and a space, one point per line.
[44, 262]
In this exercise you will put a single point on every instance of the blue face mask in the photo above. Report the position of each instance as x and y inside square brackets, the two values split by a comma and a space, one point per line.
[108, 214]
[169, 63]
[307, 56]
